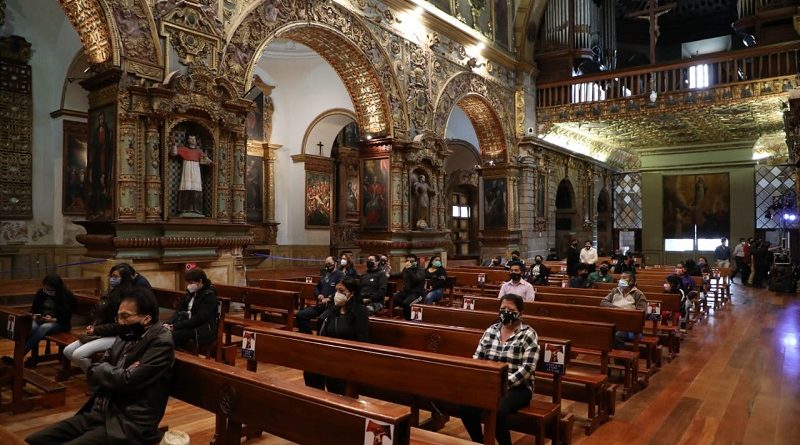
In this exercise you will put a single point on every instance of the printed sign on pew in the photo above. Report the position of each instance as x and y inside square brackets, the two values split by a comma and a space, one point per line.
[249, 345]
[10, 325]
[553, 358]
[653, 311]
[378, 433]
[469, 303]
[416, 313]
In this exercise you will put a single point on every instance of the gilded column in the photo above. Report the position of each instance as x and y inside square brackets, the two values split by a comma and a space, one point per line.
[127, 165]
[152, 171]
[270, 155]
[237, 180]
[223, 195]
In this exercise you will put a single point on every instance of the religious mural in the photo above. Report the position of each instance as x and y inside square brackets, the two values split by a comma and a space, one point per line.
[319, 200]
[375, 180]
[74, 168]
[100, 163]
[255, 189]
[255, 119]
[494, 208]
[696, 200]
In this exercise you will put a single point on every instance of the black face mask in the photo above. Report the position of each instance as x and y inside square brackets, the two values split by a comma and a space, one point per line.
[370, 264]
[603, 270]
[507, 317]
[515, 276]
[515, 257]
[330, 267]
[538, 261]
[584, 274]
[130, 332]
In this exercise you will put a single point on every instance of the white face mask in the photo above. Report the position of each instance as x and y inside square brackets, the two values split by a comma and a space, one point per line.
[339, 299]
[667, 287]
[192, 288]
[343, 262]
[622, 283]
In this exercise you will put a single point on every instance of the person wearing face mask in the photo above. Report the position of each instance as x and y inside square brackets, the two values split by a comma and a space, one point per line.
[373, 286]
[100, 335]
[347, 267]
[413, 285]
[324, 290]
[539, 273]
[52, 308]
[601, 274]
[552, 255]
[436, 276]
[573, 259]
[516, 259]
[513, 342]
[383, 264]
[588, 256]
[625, 296]
[196, 316]
[129, 386]
[517, 286]
[346, 319]
[581, 279]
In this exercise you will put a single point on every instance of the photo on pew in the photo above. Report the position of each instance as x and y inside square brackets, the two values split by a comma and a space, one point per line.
[378, 433]
[12, 320]
[248, 345]
[653, 311]
[469, 303]
[481, 278]
[416, 313]
[553, 358]
[309, 279]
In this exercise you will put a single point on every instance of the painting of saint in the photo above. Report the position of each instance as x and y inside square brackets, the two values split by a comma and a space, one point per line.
[375, 202]
[501, 22]
[254, 174]
[100, 163]
[74, 172]
[696, 200]
[495, 198]
[319, 200]
[255, 120]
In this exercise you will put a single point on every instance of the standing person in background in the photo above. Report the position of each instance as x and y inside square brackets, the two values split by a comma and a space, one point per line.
[373, 286]
[723, 254]
[573, 258]
[738, 258]
[588, 256]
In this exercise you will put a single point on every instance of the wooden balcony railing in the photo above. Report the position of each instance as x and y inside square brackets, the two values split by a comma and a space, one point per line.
[713, 70]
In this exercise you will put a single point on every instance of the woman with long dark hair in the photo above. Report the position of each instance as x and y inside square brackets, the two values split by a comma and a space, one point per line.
[196, 317]
[52, 310]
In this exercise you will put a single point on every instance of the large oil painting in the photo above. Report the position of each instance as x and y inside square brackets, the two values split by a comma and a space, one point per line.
[76, 135]
[319, 200]
[254, 174]
[375, 199]
[697, 200]
[495, 196]
[100, 174]
[255, 119]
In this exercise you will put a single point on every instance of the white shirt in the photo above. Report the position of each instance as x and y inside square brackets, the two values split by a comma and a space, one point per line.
[589, 256]
[521, 288]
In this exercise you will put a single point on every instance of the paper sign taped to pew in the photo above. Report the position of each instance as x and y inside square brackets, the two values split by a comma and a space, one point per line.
[653, 311]
[553, 358]
[309, 280]
[10, 324]
[469, 303]
[416, 313]
[249, 345]
[481, 278]
[378, 433]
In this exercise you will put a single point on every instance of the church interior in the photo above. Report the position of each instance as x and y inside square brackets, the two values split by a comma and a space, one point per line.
[468, 136]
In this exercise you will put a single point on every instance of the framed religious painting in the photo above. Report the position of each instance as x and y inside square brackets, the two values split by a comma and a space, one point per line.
[254, 183]
[696, 204]
[495, 198]
[318, 200]
[375, 196]
[255, 119]
[100, 163]
[75, 146]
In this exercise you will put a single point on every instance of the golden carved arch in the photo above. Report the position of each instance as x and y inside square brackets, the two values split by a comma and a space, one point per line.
[341, 39]
[90, 18]
[485, 108]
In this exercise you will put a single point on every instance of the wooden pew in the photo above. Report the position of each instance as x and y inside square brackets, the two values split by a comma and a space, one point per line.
[31, 286]
[9, 438]
[305, 290]
[258, 300]
[594, 388]
[293, 412]
[16, 325]
[383, 372]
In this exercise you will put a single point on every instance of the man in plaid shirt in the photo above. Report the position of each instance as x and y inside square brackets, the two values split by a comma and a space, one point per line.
[513, 342]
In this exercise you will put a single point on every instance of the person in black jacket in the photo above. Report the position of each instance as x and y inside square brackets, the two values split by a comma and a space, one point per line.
[516, 259]
[324, 291]
[130, 385]
[373, 286]
[436, 278]
[413, 285]
[538, 273]
[196, 317]
[52, 310]
[346, 319]
[573, 258]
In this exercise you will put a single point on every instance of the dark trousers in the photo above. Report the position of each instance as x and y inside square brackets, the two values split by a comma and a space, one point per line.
[517, 398]
[743, 268]
[305, 315]
[190, 201]
[318, 381]
[405, 299]
[81, 429]
[203, 335]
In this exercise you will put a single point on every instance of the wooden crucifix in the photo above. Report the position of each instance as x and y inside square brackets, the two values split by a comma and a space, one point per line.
[651, 14]
[320, 145]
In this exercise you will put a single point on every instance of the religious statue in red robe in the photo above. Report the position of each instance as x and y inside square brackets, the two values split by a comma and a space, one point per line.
[190, 190]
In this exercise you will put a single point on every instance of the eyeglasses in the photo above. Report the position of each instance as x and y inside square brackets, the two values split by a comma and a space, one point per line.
[125, 316]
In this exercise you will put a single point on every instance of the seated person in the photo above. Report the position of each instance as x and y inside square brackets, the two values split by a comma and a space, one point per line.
[138, 279]
[129, 387]
[617, 261]
[538, 274]
[625, 296]
[100, 335]
[413, 285]
[196, 316]
[52, 313]
[581, 279]
[497, 261]
[674, 285]
[345, 319]
[514, 342]
[601, 274]
[436, 277]
[515, 259]
[552, 256]
[347, 267]
[629, 265]
[373, 286]
[384, 265]
[517, 286]
[324, 291]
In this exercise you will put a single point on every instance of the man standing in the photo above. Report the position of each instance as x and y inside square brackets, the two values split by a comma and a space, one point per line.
[573, 258]
[723, 254]
[324, 291]
[373, 286]
[130, 385]
[588, 256]
[517, 286]
[741, 254]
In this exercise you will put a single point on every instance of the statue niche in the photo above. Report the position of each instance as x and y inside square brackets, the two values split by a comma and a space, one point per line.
[421, 192]
[190, 171]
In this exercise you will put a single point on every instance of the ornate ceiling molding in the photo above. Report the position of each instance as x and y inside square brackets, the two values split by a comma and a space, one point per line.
[90, 20]
[136, 29]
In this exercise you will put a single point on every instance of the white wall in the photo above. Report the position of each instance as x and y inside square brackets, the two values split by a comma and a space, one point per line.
[304, 88]
[54, 44]
[460, 127]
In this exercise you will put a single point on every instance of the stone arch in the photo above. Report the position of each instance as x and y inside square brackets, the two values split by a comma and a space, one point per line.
[342, 40]
[338, 114]
[484, 107]
[567, 220]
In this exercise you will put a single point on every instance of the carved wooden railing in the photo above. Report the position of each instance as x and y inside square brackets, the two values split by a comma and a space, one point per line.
[722, 69]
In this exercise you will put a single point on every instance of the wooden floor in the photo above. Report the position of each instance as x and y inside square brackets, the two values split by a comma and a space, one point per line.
[736, 381]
